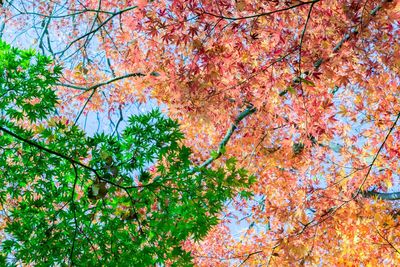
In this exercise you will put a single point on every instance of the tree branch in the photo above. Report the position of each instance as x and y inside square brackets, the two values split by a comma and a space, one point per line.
[387, 241]
[248, 257]
[96, 29]
[71, 160]
[93, 87]
[303, 34]
[376, 155]
[262, 14]
[30, 142]
[347, 36]
[72, 204]
[248, 111]
[381, 196]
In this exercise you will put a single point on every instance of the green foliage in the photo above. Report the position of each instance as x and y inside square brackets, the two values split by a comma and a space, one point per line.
[24, 77]
[70, 199]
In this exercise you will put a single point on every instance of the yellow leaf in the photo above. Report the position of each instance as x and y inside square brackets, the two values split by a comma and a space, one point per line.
[240, 5]
[78, 68]
[39, 129]
[388, 183]
[342, 110]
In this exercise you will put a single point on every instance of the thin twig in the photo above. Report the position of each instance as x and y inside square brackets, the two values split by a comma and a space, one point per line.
[93, 87]
[261, 14]
[248, 257]
[376, 155]
[390, 243]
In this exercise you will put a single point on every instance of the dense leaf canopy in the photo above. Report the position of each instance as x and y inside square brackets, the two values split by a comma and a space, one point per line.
[94, 201]
[324, 141]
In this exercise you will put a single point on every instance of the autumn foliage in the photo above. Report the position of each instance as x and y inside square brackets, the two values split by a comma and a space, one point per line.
[323, 77]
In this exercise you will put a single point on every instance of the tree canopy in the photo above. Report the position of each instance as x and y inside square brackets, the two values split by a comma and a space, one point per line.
[320, 77]
[71, 199]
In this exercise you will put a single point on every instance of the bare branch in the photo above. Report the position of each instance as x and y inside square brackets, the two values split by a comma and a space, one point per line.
[382, 196]
[248, 111]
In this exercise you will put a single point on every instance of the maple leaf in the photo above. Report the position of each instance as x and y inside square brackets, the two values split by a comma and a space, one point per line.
[142, 3]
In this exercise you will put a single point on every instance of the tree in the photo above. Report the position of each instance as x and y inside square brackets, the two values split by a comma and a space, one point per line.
[71, 199]
[323, 76]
